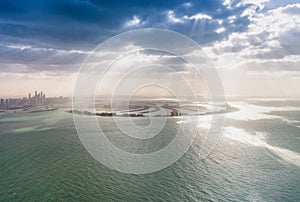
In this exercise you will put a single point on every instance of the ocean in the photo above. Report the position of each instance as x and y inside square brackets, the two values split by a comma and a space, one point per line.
[257, 158]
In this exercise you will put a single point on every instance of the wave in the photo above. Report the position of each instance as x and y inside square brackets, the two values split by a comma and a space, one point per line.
[258, 140]
[31, 129]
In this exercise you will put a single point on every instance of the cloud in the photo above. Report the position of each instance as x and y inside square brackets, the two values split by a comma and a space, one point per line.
[257, 3]
[174, 19]
[220, 30]
[271, 40]
[57, 35]
[133, 22]
[82, 24]
[187, 4]
[26, 58]
[199, 16]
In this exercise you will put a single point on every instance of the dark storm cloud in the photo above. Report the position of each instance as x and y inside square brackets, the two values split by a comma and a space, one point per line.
[83, 24]
[41, 56]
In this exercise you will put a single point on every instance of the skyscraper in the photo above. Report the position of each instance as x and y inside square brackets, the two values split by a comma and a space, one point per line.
[29, 99]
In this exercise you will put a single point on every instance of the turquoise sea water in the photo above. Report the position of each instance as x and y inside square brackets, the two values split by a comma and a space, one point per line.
[256, 159]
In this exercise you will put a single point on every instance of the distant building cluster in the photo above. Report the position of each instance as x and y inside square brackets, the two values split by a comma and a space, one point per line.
[38, 99]
[175, 112]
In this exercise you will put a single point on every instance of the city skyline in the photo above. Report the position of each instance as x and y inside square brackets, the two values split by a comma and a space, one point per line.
[31, 100]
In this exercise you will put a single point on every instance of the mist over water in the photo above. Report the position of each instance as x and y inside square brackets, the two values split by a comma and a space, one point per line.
[256, 159]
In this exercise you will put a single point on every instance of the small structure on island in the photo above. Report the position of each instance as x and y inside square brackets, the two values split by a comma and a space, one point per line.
[175, 112]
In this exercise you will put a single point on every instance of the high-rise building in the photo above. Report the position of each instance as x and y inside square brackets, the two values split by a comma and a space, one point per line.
[35, 98]
[1, 104]
[44, 98]
[29, 99]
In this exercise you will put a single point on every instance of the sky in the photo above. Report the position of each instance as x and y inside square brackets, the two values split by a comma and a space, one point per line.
[254, 44]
